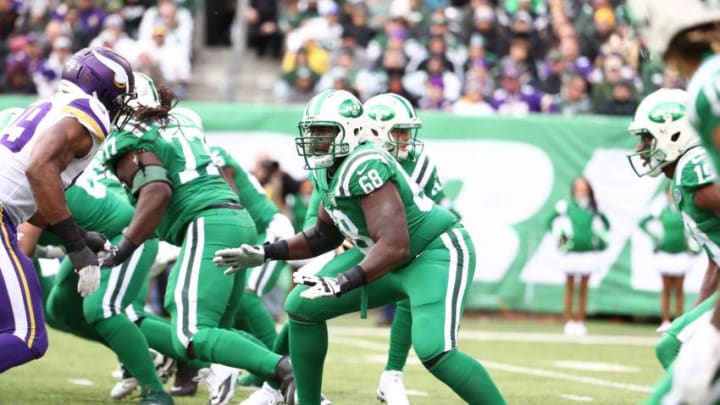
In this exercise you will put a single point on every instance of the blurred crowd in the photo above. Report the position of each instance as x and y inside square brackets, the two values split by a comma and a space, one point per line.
[468, 56]
[37, 36]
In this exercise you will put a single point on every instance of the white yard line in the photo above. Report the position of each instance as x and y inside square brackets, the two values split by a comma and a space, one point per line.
[517, 337]
[510, 368]
[579, 398]
[80, 381]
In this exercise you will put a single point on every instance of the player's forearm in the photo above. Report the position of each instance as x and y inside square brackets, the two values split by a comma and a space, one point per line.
[48, 192]
[293, 248]
[382, 258]
[150, 209]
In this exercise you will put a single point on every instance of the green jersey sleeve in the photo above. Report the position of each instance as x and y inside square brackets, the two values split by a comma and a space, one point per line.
[696, 170]
[138, 137]
[364, 173]
[703, 105]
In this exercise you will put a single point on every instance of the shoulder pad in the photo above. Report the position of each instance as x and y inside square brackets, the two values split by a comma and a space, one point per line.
[89, 112]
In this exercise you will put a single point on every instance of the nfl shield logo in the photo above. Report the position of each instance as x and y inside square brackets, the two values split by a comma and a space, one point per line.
[677, 196]
[331, 197]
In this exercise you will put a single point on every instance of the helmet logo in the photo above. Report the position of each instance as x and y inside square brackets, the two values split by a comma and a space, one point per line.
[350, 109]
[119, 85]
[381, 113]
[667, 112]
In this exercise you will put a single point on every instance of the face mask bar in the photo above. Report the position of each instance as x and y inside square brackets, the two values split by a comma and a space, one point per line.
[125, 112]
[647, 161]
[306, 145]
[413, 147]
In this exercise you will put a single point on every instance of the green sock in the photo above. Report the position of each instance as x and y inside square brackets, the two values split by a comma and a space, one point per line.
[129, 344]
[667, 349]
[233, 349]
[282, 341]
[400, 339]
[257, 318]
[308, 347]
[467, 378]
[660, 389]
[158, 333]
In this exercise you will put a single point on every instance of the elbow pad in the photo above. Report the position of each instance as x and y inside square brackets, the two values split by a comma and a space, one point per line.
[323, 237]
[149, 174]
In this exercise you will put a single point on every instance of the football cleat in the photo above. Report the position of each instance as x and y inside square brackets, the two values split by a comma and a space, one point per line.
[391, 388]
[125, 386]
[221, 382]
[164, 365]
[186, 381]
[266, 395]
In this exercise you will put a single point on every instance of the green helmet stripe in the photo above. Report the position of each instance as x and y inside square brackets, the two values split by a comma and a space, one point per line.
[320, 100]
[405, 104]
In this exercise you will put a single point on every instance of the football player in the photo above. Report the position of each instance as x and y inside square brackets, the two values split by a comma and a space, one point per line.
[668, 145]
[412, 249]
[180, 196]
[43, 150]
[686, 35]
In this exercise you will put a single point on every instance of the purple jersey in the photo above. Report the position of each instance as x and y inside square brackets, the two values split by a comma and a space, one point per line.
[528, 99]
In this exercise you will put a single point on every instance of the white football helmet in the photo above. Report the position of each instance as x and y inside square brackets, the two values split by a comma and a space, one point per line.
[147, 93]
[330, 108]
[660, 21]
[662, 120]
[387, 111]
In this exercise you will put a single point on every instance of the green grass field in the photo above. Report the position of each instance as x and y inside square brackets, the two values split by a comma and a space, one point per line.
[531, 361]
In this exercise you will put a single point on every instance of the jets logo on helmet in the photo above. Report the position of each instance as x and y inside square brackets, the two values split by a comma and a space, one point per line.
[665, 133]
[393, 124]
[331, 127]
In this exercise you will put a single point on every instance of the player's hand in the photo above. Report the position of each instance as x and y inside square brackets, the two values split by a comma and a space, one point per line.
[96, 241]
[118, 254]
[239, 258]
[86, 266]
[319, 286]
[696, 364]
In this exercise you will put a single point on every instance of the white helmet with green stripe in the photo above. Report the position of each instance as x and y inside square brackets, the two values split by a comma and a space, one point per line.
[662, 124]
[393, 124]
[147, 93]
[331, 127]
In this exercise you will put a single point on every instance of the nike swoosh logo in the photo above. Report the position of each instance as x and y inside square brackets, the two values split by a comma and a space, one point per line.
[361, 171]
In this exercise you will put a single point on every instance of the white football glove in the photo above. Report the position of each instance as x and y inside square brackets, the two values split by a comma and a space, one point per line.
[239, 258]
[696, 364]
[279, 228]
[88, 280]
[319, 286]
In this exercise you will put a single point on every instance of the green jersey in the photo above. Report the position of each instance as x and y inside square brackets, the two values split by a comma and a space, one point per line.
[251, 193]
[703, 107]
[670, 235]
[694, 171]
[195, 179]
[365, 170]
[421, 170]
[581, 229]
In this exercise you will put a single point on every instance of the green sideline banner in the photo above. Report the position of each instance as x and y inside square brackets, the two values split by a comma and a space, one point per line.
[504, 175]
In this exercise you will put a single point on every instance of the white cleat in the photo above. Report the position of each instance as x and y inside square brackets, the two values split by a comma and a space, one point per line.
[580, 329]
[265, 395]
[123, 388]
[391, 388]
[663, 327]
[221, 382]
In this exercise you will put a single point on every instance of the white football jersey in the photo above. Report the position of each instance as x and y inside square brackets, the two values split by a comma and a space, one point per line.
[20, 136]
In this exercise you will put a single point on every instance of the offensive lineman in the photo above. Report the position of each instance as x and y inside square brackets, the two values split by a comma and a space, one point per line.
[413, 249]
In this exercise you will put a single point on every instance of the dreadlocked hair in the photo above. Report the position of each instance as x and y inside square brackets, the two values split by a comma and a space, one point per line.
[158, 115]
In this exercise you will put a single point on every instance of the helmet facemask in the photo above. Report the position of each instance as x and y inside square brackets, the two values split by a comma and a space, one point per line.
[649, 159]
[402, 142]
[320, 143]
[124, 111]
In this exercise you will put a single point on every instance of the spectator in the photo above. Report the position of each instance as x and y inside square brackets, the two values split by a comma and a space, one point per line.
[8, 18]
[289, 18]
[114, 37]
[552, 73]
[316, 57]
[613, 72]
[516, 98]
[437, 48]
[434, 96]
[435, 71]
[496, 37]
[394, 36]
[478, 54]
[177, 22]
[48, 76]
[603, 27]
[473, 102]
[132, 12]
[279, 185]
[326, 29]
[395, 85]
[573, 98]
[85, 18]
[172, 60]
[623, 101]
[18, 79]
[519, 52]
[358, 28]
[349, 46]
[262, 25]
[298, 84]
[56, 29]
